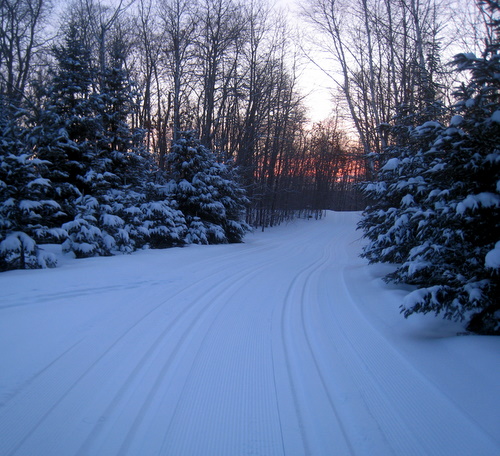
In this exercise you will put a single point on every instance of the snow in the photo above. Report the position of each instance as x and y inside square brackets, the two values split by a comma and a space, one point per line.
[431, 124]
[492, 259]
[16, 241]
[287, 344]
[484, 199]
[456, 120]
[112, 220]
[391, 164]
[39, 181]
[470, 103]
[28, 205]
[407, 200]
[495, 117]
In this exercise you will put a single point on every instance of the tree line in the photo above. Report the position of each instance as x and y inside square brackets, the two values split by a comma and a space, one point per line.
[102, 109]
[229, 70]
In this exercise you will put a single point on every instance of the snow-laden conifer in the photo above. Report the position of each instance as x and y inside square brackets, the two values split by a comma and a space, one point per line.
[449, 219]
[207, 193]
[28, 212]
[451, 259]
[64, 129]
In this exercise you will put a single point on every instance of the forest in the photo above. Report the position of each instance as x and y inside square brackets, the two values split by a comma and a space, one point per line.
[158, 123]
[102, 104]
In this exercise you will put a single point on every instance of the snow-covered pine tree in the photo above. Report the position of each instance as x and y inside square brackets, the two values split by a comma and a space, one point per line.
[67, 133]
[206, 192]
[117, 168]
[123, 145]
[63, 129]
[454, 214]
[28, 212]
[137, 199]
[83, 131]
[162, 224]
[451, 260]
[390, 221]
[395, 195]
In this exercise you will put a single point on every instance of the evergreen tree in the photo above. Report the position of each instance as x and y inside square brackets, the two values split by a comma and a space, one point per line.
[451, 259]
[449, 219]
[162, 223]
[398, 194]
[123, 146]
[28, 212]
[67, 134]
[63, 131]
[207, 193]
[147, 219]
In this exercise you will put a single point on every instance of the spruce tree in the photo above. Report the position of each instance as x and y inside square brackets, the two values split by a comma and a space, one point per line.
[451, 259]
[123, 146]
[64, 129]
[138, 212]
[450, 217]
[28, 213]
[207, 193]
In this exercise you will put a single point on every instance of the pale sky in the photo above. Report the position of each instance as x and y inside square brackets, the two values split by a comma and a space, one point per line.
[317, 86]
[314, 83]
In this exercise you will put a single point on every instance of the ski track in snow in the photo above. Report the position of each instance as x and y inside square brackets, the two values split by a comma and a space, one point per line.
[260, 348]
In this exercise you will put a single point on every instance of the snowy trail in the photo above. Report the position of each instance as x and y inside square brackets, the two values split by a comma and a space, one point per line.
[272, 347]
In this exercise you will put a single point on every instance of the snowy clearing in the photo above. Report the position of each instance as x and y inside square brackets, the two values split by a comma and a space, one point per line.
[288, 344]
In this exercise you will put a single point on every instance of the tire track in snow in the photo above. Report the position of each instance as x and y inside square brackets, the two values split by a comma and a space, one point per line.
[192, 399]
[356, 433]
[298, 407]
[68, 388]
[346, 446]
[402, 399]
[327, 381]
[408, 415]
[330, 333]
[16, 298]
[39, 373]
[148, 356]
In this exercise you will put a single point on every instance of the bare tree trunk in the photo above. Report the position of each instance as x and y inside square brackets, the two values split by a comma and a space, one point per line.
[102, 20]
[179, 23]
[20, 37]
[222, 28]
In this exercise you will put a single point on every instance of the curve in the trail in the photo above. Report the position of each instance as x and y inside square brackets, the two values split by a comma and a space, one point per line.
[257, 348]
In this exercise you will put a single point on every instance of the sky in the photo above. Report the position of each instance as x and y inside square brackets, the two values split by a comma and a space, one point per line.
[318, 88]
[315, 85]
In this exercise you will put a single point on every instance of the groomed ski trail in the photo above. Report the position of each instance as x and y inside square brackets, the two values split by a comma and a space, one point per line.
[259, 348]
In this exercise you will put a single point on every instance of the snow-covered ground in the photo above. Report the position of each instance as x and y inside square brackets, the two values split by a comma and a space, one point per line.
[288, 344]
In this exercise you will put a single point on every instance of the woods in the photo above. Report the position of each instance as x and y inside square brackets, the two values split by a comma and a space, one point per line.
[429, 131]
[159, 123]
[96, 104]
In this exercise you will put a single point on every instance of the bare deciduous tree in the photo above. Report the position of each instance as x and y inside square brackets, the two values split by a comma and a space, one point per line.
[21, 23]
[222, 26]
[179, 27]
[387, 53]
